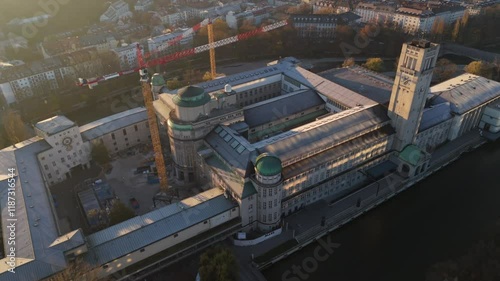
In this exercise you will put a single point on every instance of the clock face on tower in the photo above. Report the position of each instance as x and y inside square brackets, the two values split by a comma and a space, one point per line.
[405, 80]
[67, 141]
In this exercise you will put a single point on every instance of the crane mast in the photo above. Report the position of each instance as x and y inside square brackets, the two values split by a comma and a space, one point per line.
[210, 30]
[155, 135]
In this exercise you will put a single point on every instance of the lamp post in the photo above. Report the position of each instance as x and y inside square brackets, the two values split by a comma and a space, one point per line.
[370, 178]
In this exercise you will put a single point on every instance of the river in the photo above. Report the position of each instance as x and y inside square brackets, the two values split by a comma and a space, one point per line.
[435, 220]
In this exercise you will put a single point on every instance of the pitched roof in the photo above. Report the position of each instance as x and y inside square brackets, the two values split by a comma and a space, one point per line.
[138, 232]
[35, 225]
[466, 92]
[112, 123]
[54, 124]
[323, 134]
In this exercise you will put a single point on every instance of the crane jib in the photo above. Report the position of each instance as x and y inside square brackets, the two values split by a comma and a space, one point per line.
[184, 53]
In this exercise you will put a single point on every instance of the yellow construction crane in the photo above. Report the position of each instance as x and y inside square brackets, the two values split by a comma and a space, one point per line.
[153, 129]
[146, 87]
[210, 30]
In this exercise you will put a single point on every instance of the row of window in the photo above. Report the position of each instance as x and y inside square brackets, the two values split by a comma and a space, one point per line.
[270, 217]
[266, 204]
[258, 99]
[125, 131]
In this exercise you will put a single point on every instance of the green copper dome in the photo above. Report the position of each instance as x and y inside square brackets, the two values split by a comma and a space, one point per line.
[411, 154]
[158, 80]
[268, 165]
[191, 96]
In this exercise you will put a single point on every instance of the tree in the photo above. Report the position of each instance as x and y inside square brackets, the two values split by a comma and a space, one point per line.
[456, 31]
[349, 62]
[444, 70]
[303, 8]
[77, 270]
[326, 11]
[218, 264]
[173, 84]
[374, 64]
[207, 76]
[110, 61]
[119, 213]
[14, 126]
[100, 153]
[480, 68]
[437, 29]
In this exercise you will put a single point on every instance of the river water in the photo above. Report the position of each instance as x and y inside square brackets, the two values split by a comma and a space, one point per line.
[435, 220]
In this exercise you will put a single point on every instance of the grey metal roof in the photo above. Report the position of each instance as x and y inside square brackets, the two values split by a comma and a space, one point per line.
[232, 147]
[466, 92]
[337, 151]
[328, 88]
[112, 123]
[69, 241]
[55, 124]
[241, 78]
[136, 233]
[280, 107]
[435, 115]
[36, 229]
[318, 135]
[367, 83]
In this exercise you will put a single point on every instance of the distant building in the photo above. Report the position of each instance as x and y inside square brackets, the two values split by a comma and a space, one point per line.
[36, 19]
[337, 7]
[409, 19]
[102, 42]
[256, 16]
[143, 5]
[375, 12]
[117, 10]
[321, 25]
[127, 56]
[13, 41]
[159, 44]
[39, 78]
[173, 19]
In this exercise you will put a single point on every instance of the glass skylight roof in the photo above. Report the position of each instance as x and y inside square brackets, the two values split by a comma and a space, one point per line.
[218, 129]
[240, 149]
[234, 144]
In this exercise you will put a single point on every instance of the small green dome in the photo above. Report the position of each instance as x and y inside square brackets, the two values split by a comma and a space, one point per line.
[158, 80]
[268, 165]
[191, 96]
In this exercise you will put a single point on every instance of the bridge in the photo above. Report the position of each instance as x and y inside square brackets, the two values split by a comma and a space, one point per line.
[475, 54]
